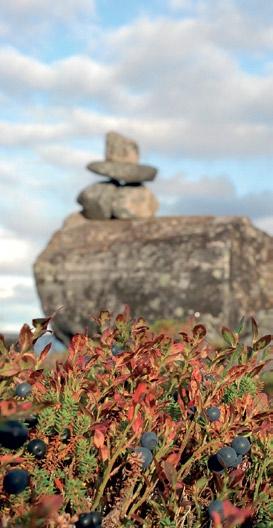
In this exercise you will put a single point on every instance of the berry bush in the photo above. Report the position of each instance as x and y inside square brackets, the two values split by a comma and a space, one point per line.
[135, 428]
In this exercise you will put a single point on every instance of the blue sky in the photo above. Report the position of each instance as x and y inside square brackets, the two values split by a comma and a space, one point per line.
[190, 80]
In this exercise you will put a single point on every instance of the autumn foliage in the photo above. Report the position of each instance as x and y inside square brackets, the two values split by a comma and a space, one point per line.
[92, 408]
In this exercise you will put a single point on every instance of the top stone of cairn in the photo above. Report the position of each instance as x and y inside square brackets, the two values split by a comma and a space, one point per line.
[121, 149]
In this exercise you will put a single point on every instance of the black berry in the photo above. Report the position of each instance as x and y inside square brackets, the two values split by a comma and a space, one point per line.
[146, 455]
[117, 349]
[213, 413]
[227, 456]
[214, 464]
[37, 448]
[217, 507]
[175, 395]
[23, 389]
[89, 520]
[149, 440]
[13, 434]
[15, 481]
[241, 445]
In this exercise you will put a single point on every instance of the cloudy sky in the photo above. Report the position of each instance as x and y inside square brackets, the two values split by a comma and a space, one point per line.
[190, 80]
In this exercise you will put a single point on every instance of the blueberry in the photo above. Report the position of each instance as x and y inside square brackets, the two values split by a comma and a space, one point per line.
[241, 445]
[147, 455]
[213, 413]
[13, 434]
[149, 440]
[214, 464]
[238, 461]
[227, 456]
[117, 349]
[217, 507]
[16, 480]
[37, 448]
[175, 395]
[89, 520]
[23, 389]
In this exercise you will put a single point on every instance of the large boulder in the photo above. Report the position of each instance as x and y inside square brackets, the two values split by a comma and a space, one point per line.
[168, 267]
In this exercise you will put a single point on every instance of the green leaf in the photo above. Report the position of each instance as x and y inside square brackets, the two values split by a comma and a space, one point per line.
[240, 327]
[229, 336]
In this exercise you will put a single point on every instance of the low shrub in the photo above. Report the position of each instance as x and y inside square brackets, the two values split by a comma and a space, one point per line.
[133, 428]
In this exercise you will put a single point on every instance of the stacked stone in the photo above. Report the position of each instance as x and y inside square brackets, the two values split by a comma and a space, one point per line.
[123, 194]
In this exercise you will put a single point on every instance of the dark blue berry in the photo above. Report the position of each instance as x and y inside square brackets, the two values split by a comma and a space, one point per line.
[13, 434]
[149, 440]
[214, 464]
[241, 445]
[217, 507]
[37, 448]
[15, 481]
[146, 454]
[89, 520]
[175, 395]
[238, 461]
[227, 456]
[117, 349]
[213, 413]
[23, 389]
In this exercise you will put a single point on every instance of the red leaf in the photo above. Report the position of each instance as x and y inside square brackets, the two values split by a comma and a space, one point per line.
[8, 459]
[98, 439]
[138, 423]
[199, 332]
[130, 413]
[59, 485]
[140, 390]
[45, 352]
[77, 345]
[25, 338]
[262, 342]
[104, 451]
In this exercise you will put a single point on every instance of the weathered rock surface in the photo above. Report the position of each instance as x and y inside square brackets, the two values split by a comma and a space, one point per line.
[127, 172]
[120, 148]
[97, 200]
[134, 202]
[162, 267]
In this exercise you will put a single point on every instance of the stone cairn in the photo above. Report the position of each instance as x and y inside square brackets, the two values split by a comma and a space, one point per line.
[123, 194]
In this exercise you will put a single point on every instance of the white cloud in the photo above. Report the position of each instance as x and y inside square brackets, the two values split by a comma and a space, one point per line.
[29, 22]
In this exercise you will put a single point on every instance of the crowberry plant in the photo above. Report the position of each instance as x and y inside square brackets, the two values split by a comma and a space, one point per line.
[136, 428]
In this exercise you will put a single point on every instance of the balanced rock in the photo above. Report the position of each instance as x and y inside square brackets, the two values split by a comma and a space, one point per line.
[120, 148]
[168, 267]
[97, 200]
[134, 202]
[127, 172]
